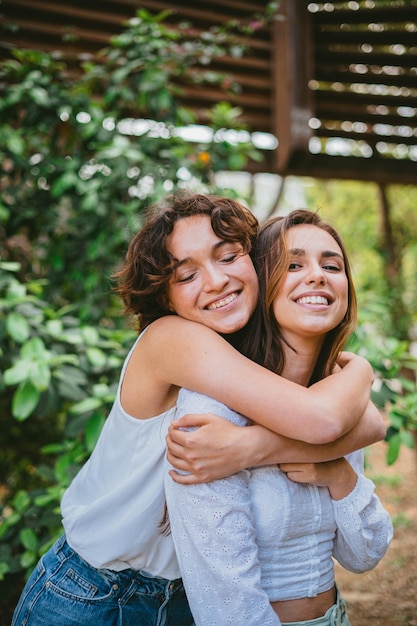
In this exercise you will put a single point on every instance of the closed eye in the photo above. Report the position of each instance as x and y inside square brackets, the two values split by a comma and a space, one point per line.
[186, 279]
[230, 258]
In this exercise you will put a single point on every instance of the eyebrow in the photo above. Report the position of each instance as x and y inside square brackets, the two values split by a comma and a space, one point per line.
[179, 262]
[326, 254]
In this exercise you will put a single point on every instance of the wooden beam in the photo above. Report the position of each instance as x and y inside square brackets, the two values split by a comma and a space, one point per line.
[292, 69]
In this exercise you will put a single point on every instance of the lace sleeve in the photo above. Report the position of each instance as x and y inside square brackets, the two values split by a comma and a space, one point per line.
[214, 536]
[364, 528]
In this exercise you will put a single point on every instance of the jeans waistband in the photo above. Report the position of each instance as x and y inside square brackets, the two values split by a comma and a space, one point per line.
[64, 551]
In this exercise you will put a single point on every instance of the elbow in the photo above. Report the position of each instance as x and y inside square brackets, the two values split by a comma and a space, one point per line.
[381, 431]
[376, 428]
[325, 430]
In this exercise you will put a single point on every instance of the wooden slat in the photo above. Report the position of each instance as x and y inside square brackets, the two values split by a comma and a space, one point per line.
[388, 14]
[275, 73]
[341, 37]
[346, 114]
[377, 169]
[368, 137]
[337, 75]
[346, 57]
[356, 100]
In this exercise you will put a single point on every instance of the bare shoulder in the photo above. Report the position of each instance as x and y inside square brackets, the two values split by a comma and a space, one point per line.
[173, 330]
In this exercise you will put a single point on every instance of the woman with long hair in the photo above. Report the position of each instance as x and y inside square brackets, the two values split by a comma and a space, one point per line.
[258, 547]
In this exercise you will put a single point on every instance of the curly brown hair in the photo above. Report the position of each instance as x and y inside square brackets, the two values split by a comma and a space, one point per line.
[143, 279]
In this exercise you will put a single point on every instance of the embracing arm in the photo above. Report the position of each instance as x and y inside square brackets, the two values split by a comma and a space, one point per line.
[190, 355]
[219, 448]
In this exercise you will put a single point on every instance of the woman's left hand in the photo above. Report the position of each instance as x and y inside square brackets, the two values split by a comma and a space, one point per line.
[338, 475]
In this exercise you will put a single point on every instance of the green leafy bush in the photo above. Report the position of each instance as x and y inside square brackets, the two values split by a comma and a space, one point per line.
[395, 387]
[81, 156]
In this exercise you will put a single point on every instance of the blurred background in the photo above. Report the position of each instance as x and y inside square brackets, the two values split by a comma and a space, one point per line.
[107, 107]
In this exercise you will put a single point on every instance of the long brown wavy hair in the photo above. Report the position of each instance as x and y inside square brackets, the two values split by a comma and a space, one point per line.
[143, 279]
[264, 341]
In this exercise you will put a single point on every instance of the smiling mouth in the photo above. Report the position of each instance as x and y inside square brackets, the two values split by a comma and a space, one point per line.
[313, 300]
[223, 302]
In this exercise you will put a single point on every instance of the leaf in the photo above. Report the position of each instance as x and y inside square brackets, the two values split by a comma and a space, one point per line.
[407, 438]
[27, 559]
[93, 430]
[17, 326]
[85, 406]
[90, 335]
[40, 96]
[4, 569]
[15, 144]
[25, 400]
[21, 501]
[394, 445]
[34, 349]
[96, 357]
[29, 539]
[40, 376]
[18, 373]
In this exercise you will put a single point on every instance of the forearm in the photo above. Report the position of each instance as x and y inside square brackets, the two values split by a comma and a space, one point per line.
[346, 395]
[218, 448]
[259, 446]
[196, 358]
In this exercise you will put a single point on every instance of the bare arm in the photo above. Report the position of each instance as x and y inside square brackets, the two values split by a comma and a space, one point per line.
[192, 356]
[219, 448]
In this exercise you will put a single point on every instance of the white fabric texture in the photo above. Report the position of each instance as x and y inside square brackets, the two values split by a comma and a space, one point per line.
[113, 509]
[257, 537]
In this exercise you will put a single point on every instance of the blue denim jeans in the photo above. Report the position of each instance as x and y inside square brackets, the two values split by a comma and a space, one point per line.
[64, 590]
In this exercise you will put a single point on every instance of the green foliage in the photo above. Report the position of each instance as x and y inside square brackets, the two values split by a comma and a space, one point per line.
[395, 387]
[61, 374]
[81, 156]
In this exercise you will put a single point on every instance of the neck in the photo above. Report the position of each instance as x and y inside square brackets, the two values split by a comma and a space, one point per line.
[301, 360]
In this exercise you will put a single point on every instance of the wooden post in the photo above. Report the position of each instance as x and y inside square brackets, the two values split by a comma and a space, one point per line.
[291, 72]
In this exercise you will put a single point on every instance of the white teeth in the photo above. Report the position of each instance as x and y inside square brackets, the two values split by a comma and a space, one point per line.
[220, 303]
[312, 300]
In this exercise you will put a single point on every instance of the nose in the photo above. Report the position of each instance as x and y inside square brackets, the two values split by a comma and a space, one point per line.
[215, 278]
[316, 275]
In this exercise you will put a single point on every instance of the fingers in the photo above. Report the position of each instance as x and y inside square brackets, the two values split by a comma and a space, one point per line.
[191, 420]
[185, 479]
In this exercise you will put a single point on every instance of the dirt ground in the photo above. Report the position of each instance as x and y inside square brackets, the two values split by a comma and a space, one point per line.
[387, 595]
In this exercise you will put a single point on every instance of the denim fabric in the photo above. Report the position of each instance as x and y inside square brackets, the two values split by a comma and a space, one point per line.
[64, 590]
[335, 616]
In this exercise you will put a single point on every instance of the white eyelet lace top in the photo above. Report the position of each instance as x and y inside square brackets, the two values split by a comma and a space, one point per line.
[257, 537]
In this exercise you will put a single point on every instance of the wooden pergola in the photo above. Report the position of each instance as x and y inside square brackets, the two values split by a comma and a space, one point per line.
[334, 82]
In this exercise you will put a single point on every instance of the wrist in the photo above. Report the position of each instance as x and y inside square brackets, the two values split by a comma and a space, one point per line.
[260, 446]
[344, 482]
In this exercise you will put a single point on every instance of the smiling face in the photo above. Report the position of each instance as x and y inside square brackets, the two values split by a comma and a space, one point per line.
[312, 298]
[214, 281]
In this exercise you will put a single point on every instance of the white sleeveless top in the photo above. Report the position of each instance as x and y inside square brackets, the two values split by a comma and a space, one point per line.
[113, 509]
